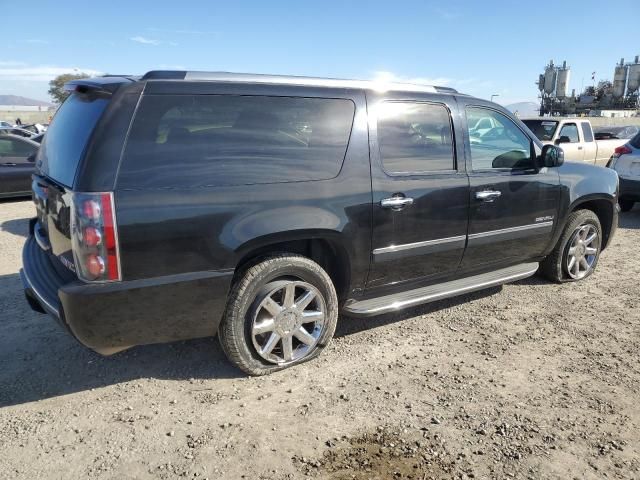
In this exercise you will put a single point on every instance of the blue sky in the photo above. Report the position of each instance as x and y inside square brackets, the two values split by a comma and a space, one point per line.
[479, 47]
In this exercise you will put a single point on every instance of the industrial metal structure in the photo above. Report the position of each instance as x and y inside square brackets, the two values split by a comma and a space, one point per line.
[623, 93]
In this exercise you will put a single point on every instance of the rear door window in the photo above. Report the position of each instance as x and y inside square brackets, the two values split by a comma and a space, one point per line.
[15, 149]
[215, 140]
[415, 137]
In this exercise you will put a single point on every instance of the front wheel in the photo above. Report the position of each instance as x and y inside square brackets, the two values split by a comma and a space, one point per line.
[281, 312]
[576, 254]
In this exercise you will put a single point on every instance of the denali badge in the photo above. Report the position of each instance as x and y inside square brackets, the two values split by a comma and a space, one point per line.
[544, 219]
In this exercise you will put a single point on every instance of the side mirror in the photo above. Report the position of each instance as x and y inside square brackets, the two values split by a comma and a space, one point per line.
[562, 139]
[31, 158]
[551, 156]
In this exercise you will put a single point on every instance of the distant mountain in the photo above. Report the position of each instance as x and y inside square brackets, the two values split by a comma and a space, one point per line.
[524, 109]
[17, 100]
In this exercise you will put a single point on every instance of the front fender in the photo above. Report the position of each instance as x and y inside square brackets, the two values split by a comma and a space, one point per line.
[583, 182]
[588, 186]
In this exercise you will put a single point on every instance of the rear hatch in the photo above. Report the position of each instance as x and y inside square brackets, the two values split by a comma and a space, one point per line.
[57, 163]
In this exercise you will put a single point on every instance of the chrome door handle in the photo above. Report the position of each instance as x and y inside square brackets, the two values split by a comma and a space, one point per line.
[396, 203]
[488, 195]
[9, 164]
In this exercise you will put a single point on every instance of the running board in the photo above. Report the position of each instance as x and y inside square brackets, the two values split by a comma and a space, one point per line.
[398, 301]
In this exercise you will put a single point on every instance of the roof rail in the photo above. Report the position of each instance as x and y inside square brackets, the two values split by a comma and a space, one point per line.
[164, 75]
[446, 90]
[290, 80]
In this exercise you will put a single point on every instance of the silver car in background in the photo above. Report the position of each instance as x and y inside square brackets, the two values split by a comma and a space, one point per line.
[626, 161]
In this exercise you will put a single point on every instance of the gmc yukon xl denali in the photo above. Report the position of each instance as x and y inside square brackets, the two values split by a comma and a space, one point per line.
[182, 204]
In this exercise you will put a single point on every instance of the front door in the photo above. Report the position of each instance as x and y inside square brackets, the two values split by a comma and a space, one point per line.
[513, 204]
[16, 166]
[420, 195]
[573, 148]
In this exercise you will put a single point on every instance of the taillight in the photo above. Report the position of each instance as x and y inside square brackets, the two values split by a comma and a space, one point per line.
[623, 150]
[94, 237]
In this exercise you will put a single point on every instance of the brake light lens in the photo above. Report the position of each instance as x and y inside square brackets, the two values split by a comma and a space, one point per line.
[94, 237]
[95, 265]
[623, 150]
[91, 209]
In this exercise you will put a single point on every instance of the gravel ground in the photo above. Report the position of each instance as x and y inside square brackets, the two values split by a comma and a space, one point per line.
[533, 380]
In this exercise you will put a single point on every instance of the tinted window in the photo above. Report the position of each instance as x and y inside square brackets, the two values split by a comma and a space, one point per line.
[570, 130]
[503, 145]
[13, 147]
[543, 129]
[635, 141]
[202, 140]
[67, 136]
[586, 132]
[415, 137]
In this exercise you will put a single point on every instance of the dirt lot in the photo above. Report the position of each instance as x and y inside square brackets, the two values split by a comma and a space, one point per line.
[533, 380]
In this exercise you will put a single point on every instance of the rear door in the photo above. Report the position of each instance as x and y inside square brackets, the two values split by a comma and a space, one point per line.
[420, 191]
[513, 205]
[589, 143]
[16, 164]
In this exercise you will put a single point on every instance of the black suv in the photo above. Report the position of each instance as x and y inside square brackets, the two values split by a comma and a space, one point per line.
[184, 204]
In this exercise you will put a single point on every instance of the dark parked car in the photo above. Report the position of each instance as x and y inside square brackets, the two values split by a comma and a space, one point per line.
[612, 133]
[37, 138]
[18, 131]
[17, 156]
[184, 204]
[34, 128]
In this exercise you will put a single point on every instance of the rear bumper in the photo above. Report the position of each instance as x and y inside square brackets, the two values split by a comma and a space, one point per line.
[630, 189]
[110, 317]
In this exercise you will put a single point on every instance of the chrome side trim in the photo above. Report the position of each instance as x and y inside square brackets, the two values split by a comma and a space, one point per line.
[503, 231]
[426, 243]
[391, 303]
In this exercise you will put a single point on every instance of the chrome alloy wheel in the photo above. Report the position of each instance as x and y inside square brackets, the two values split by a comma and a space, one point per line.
[288, 322]
[583, 251]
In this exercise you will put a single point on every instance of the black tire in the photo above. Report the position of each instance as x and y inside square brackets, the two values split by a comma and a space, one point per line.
[625, 204]
[553, 267]
[234, 332]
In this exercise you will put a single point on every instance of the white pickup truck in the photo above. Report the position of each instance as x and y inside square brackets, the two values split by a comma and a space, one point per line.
[575, 137]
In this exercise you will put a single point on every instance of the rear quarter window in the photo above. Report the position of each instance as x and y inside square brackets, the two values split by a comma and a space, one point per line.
[217, 140]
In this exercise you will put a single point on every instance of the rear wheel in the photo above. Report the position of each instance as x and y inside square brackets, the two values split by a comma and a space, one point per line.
[577, 252]
[281, 312]
[625, 204]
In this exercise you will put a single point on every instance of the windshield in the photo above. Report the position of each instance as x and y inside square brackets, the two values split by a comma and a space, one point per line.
[543, 129]
[67, 137]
